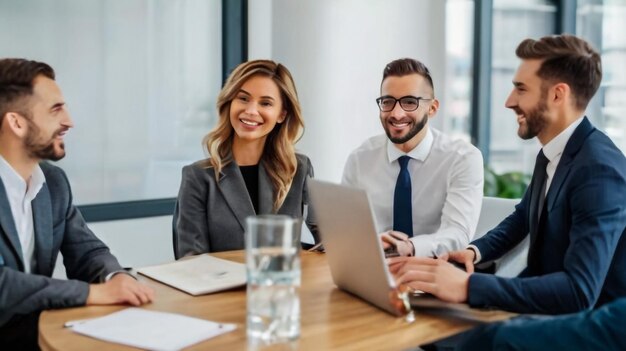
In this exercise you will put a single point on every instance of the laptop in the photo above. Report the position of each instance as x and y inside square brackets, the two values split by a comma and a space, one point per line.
[355, 254]
[357, 261]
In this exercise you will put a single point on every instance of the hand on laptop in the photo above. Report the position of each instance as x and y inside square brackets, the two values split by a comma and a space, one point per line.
[465, 257]
[396, 242]
[434, 276]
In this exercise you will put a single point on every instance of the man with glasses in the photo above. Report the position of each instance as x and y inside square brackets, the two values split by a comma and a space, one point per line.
[425, 188]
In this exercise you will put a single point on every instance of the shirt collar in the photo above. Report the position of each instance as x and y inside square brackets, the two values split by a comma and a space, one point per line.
[420, 152]
[556, 146]
[16, 185]
[36, 183]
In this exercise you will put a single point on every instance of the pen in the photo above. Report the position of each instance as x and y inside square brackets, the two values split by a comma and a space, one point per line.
[317, 247]
[71, 324]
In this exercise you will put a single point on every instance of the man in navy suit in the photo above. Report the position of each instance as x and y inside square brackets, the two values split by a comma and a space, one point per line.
[600, 329]
[574, 209]
[37, 217]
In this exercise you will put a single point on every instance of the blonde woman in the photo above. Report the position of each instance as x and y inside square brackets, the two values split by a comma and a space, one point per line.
[252, 166]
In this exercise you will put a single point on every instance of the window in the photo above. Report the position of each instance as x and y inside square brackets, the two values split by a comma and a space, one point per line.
[513, 21]
[140, 78]
[459, 44]
[602, 23]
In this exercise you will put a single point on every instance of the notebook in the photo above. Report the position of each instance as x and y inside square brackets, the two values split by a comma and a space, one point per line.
[356, 257]
[198, 275]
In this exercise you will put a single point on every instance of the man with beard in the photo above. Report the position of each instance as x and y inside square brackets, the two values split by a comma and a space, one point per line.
[37, 217]
[425, 188]
[574, 209]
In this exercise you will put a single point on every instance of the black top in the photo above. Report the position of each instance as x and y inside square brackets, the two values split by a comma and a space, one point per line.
[251, 177]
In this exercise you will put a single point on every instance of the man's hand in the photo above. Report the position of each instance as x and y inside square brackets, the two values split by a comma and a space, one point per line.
[434, 276]
[121, 289]
[465, 257]
[399, 240]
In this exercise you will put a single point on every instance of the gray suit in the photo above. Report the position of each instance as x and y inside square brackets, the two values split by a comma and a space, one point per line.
[210, 215]
[58, 226]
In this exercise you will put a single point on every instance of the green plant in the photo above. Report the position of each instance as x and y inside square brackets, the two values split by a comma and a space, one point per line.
[510, 185]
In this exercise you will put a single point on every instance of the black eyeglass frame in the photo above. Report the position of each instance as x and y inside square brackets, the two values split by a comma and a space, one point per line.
[416, 98]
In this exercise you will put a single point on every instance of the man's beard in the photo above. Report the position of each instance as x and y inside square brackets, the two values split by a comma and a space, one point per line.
[43, 150]
[417, 127]
[535, 119]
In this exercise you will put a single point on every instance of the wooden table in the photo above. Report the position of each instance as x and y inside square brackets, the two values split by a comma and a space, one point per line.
[331, 318]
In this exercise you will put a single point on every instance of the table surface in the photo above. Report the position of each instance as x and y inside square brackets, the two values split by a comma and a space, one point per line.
[331, 318]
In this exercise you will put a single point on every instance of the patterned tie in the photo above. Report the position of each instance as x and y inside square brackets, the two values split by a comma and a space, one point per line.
[537, 197]
[402, 211]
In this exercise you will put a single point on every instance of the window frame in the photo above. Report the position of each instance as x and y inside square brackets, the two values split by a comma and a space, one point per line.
[480, 110]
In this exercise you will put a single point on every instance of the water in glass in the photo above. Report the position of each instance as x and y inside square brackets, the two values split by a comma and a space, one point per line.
[273, 298]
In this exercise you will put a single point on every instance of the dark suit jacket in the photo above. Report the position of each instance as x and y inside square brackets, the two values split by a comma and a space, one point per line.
[601, 329]
[211, 216]
[59, 226]
[582, 249]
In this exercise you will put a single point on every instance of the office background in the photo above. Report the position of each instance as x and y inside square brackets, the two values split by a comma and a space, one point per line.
[141, 78]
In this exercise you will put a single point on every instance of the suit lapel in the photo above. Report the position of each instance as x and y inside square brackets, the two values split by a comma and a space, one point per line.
[266, 195]
[574, 144]
[42, 223]
[8, 225]
[233, 188]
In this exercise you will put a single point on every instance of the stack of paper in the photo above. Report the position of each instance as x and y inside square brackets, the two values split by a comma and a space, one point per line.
[198, 275]
[150, 329]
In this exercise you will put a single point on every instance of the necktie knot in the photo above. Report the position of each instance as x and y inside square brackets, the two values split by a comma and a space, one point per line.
[404, 162]
[542, 160]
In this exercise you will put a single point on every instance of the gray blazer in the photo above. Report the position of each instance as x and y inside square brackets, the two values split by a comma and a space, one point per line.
[210, 215]
[59, 226]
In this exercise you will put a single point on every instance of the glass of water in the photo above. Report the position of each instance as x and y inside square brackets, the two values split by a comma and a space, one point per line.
[273, 269]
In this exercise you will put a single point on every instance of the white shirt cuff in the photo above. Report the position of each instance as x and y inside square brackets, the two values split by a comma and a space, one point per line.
[421, 248]
[476, 251]
[110, 275]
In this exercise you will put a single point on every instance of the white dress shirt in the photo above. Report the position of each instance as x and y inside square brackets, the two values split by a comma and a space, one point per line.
[446, 186]
[20, 195]
[554, 149]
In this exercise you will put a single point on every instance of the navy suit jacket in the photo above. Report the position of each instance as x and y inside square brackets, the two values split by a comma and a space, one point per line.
[58, 226]
[601, 329]
[582, 252]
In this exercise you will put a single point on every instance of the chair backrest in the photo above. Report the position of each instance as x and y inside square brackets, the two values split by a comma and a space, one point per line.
[493, 211]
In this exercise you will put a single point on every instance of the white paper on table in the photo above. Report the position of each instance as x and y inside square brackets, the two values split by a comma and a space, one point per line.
[151, 330]
[199, 275]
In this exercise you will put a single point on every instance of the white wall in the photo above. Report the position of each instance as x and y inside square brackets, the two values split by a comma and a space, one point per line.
[336, 51]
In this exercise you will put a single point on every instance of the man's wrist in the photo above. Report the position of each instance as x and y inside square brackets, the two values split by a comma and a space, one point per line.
[476, 252]
[114, 273]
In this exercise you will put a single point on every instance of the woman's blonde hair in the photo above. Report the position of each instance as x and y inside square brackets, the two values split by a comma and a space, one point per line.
[279, 155]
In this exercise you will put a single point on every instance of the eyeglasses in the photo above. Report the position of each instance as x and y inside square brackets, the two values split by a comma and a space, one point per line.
[408, 103]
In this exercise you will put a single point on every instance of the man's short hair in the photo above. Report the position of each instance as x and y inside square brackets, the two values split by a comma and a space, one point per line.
[405, 66]
[567, 59]
[16, 83]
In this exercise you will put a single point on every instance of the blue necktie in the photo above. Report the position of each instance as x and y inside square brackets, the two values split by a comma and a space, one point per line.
[402, 211]
[537, 198]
